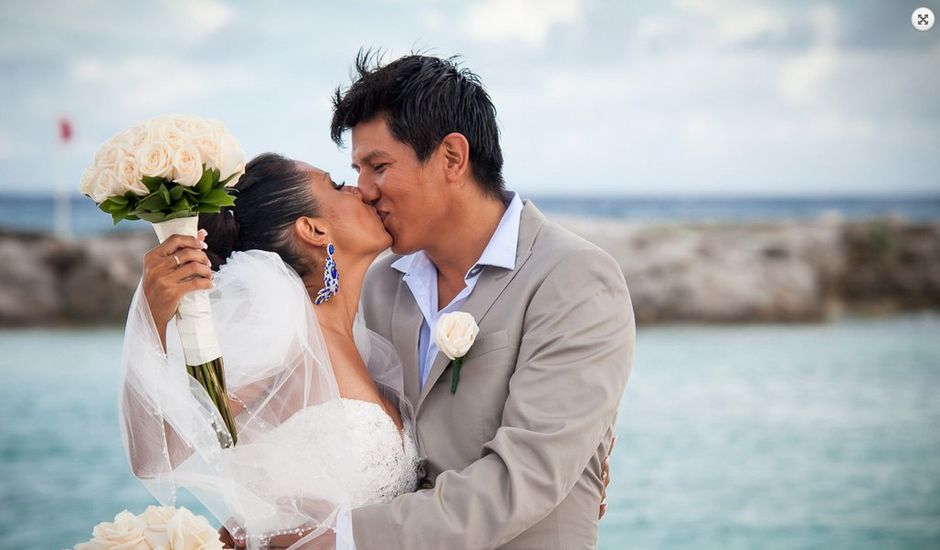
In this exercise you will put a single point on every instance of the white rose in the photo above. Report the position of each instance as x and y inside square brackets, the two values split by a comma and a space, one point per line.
[208, 145]
[196, 126]
[126, 532]
[155, 159]
[109, 154]
[191, 532]
[100, 184]
[138, 136]
[125, 137]
[87, 184]
[170, 130]
[180, 122]
[128, 176]
[455, 333]
[231, 157]
[156, 519]
[215, 126]
[187, 165]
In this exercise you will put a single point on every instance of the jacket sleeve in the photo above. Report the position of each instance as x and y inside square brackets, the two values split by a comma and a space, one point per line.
[574, 359]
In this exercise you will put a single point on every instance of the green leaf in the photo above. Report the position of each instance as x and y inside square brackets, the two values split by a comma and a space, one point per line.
[153, 202]
[119, 200]
[181, 205]
[208, 209]
[153, 217]
[111, 207]
[231, 176]
[153, 183]
[205, 183]
[229, 201]
[176, 215]
[176, 192]
[131, 217]
[115, 208]
[217, 197]
[166, 194]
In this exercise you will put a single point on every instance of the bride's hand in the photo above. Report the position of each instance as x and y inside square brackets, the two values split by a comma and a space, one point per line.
[172, 269]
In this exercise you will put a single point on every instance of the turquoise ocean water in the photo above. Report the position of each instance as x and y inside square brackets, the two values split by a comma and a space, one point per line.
[765, 436]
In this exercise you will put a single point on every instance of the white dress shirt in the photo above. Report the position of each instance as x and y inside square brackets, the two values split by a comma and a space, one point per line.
[421, 278]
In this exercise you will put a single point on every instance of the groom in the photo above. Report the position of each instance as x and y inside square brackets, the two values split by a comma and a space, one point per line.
[514, 456]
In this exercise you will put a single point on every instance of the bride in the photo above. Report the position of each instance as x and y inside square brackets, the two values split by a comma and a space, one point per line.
[322, 422]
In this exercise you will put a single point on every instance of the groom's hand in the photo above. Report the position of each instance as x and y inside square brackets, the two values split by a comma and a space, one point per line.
[605, 477]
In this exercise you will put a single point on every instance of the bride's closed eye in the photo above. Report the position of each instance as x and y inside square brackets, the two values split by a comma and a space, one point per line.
[338, 186]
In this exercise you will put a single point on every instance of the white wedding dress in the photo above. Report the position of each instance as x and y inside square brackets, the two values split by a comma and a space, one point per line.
[304, 454]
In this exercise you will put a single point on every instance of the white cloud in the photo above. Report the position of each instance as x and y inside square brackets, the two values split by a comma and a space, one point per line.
[206, 17]
[527, 22]
[750, 23]
[145, 85]
[804, 76]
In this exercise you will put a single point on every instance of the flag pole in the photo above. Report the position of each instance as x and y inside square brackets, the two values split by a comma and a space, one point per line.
[63, 203]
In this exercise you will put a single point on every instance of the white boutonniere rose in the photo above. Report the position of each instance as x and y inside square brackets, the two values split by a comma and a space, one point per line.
[454, 335]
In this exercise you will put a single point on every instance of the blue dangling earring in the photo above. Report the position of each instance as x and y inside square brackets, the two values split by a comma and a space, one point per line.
[330, 277]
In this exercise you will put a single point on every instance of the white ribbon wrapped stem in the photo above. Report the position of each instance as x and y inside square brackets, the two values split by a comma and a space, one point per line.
[194, 316]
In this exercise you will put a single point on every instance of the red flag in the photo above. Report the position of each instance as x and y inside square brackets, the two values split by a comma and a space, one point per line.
[65, 130]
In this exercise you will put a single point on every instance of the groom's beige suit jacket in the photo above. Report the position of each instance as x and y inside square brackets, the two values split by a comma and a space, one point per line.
[514, 457]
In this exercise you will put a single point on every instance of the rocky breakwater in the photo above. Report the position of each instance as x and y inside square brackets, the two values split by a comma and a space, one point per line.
[47, 281]
[773, 272]
[741, 272]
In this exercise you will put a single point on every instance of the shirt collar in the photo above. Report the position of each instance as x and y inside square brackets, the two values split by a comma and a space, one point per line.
[499, 252]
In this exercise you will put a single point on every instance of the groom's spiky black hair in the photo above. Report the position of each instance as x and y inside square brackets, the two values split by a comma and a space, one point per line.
[424, 98]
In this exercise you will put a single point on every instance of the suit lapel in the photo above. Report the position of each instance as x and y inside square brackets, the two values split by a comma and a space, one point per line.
[406, 323]
[491, 284]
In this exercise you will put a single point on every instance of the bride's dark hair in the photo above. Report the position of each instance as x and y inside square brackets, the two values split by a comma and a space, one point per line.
[271, 195]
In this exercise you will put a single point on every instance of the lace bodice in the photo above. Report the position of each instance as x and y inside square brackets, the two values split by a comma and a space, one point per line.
[344, 450]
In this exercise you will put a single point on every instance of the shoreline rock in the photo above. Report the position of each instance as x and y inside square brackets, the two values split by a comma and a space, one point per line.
[45, 281]
[800, 271]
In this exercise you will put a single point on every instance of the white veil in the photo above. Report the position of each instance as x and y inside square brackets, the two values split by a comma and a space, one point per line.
[276, 364]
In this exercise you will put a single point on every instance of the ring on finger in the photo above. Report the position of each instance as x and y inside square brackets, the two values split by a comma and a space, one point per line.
[177, 258]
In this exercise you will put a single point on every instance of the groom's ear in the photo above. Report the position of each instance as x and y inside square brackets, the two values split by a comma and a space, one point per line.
[455, 150]
[312, 231]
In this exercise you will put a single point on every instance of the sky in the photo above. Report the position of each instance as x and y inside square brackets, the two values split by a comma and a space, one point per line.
[656, 98]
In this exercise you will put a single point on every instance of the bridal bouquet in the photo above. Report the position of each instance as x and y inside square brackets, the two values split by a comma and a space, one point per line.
[158, 528]
[166, 171]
